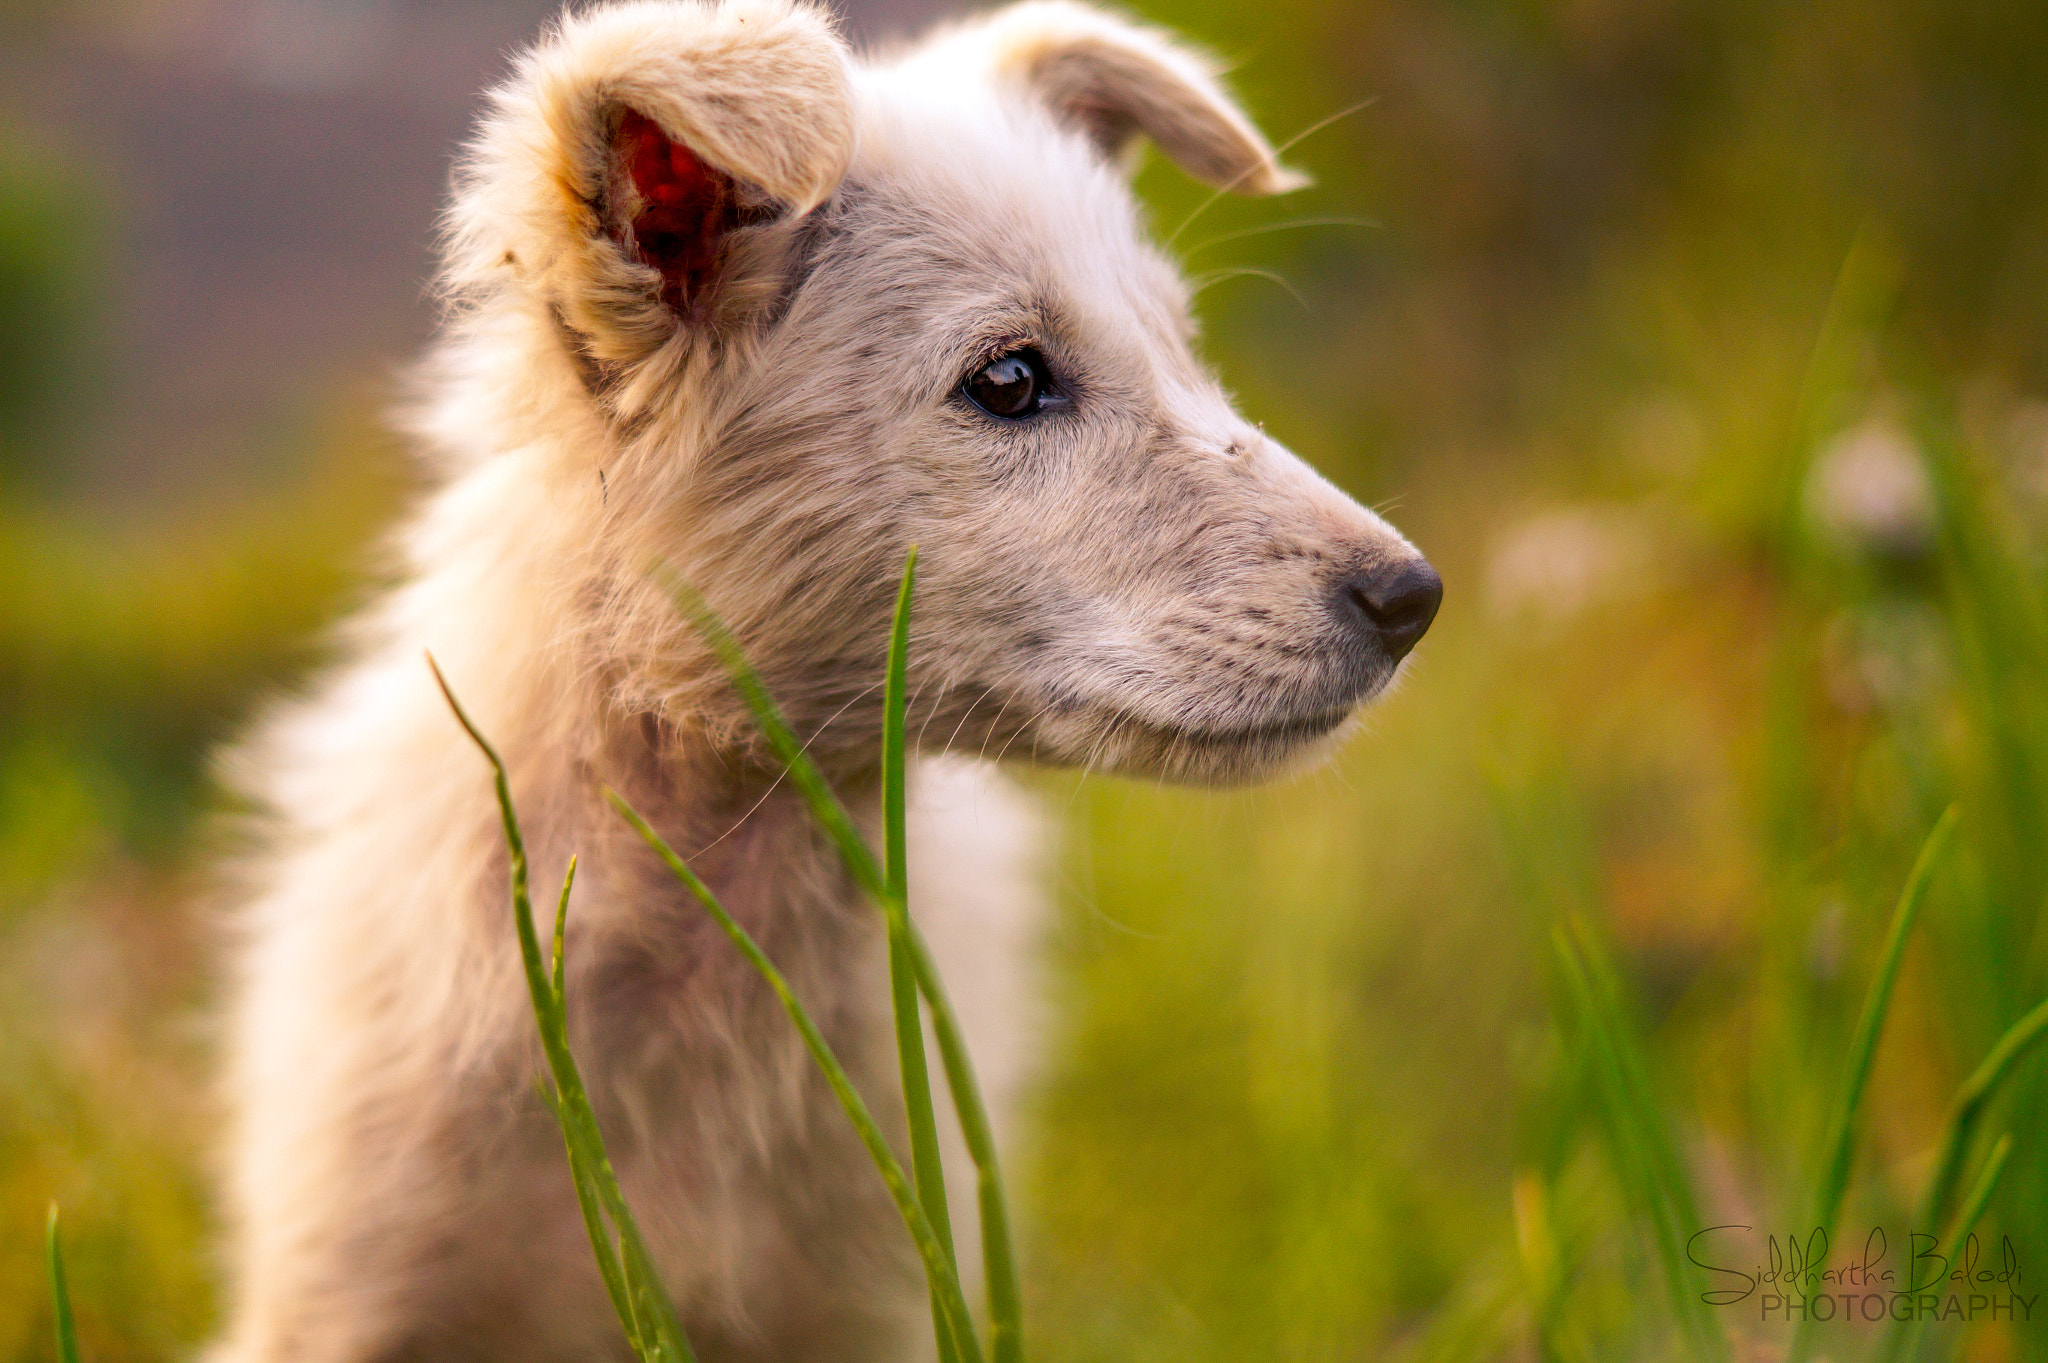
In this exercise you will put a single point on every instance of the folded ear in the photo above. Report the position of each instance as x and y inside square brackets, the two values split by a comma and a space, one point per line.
[1115, 80]
[634, 168]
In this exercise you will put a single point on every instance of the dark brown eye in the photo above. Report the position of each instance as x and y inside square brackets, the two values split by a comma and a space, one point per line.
[1011, 386]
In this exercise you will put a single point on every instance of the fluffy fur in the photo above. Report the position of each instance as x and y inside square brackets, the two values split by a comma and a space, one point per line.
[1139, 580]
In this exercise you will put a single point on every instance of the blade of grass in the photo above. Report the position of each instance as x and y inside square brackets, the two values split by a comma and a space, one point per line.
[1841, 1140]
[1646, 1160]
[1968, 1109]
[1005, 1296]
[643, 1307]
[1904, 1334]
[589, 1203]
[1541, 1261]
[927, 1166]
[895, 841]
[999, 1263]
[60, 1293]
[588, 1200]
[1980, 1196]
[555, 954]
[940, 1272]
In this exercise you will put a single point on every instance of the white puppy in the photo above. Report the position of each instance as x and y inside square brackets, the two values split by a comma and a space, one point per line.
[723, 296]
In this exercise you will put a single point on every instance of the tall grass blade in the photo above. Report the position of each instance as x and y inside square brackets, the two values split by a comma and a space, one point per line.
[556, 986]
[940, 1271]
[1005, 1296]
[927, 1166]
[60, 1293]
[1647, 1164]
[589, 1202]
[896, 839]
[1980, 1196]
[999, 1261]
[1971, 1101]
[1905, 1333]
[588, 1199]
[643, 1307]
[1841, 1140]
[1970, 1104]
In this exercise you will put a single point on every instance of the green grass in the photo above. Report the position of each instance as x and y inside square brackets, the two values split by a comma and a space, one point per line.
[1609, 1063]
[643, 1306]
[60, 1293]
[642, 1303]
[1833, 1182]
[999, 1260]
[1645, 1156]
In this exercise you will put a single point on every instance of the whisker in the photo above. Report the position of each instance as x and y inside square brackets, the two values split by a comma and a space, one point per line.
[772, 785]
[1100, 915]
[972, 706]
[1244, 174]
[1240, 271]
[930, 715]
[1103, 745]
[1073, 796]
[910, 708]
[1287, 226]
[994, 724]
[1023, 729]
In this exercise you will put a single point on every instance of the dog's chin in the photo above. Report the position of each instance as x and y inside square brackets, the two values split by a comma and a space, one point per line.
[1122, 744]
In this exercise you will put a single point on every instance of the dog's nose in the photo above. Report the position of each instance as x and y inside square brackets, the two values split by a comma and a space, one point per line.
[1392, 605]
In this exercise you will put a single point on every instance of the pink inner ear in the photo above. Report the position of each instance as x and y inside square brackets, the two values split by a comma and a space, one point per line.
[686, 209]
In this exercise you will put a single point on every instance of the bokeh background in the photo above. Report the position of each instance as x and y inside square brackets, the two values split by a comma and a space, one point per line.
[1703, 344]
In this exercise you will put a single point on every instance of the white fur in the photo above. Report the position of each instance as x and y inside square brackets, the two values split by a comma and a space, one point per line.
[1142, 581]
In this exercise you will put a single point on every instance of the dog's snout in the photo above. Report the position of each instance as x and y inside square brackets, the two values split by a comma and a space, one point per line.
[1392, 605]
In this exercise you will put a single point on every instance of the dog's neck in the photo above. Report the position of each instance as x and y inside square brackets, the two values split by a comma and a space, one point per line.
[521, 548]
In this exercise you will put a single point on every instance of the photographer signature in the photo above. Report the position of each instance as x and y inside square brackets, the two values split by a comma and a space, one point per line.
[1797, 1278]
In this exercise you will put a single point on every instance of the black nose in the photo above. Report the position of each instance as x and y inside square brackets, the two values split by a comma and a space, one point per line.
[1394, 604]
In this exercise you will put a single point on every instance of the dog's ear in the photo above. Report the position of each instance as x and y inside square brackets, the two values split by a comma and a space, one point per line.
[1116, 81]
[624, 169]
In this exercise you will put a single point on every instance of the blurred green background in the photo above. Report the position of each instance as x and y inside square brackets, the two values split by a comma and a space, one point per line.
[1704, 348]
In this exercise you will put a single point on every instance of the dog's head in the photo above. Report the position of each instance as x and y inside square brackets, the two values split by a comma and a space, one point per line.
[802, 312]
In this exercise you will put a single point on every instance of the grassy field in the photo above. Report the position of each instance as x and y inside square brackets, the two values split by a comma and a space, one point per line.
[1704, 348]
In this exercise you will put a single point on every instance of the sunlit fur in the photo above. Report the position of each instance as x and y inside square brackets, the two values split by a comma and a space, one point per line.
[1139, 582]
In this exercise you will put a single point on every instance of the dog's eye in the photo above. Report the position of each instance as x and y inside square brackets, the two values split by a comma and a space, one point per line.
[1011, 386]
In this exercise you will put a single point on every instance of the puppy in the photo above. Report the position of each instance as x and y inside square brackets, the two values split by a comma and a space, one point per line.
[724, 297]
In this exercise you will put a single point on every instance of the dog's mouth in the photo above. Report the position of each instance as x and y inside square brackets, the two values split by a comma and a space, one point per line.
[1298, 729]
[1121, 741]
